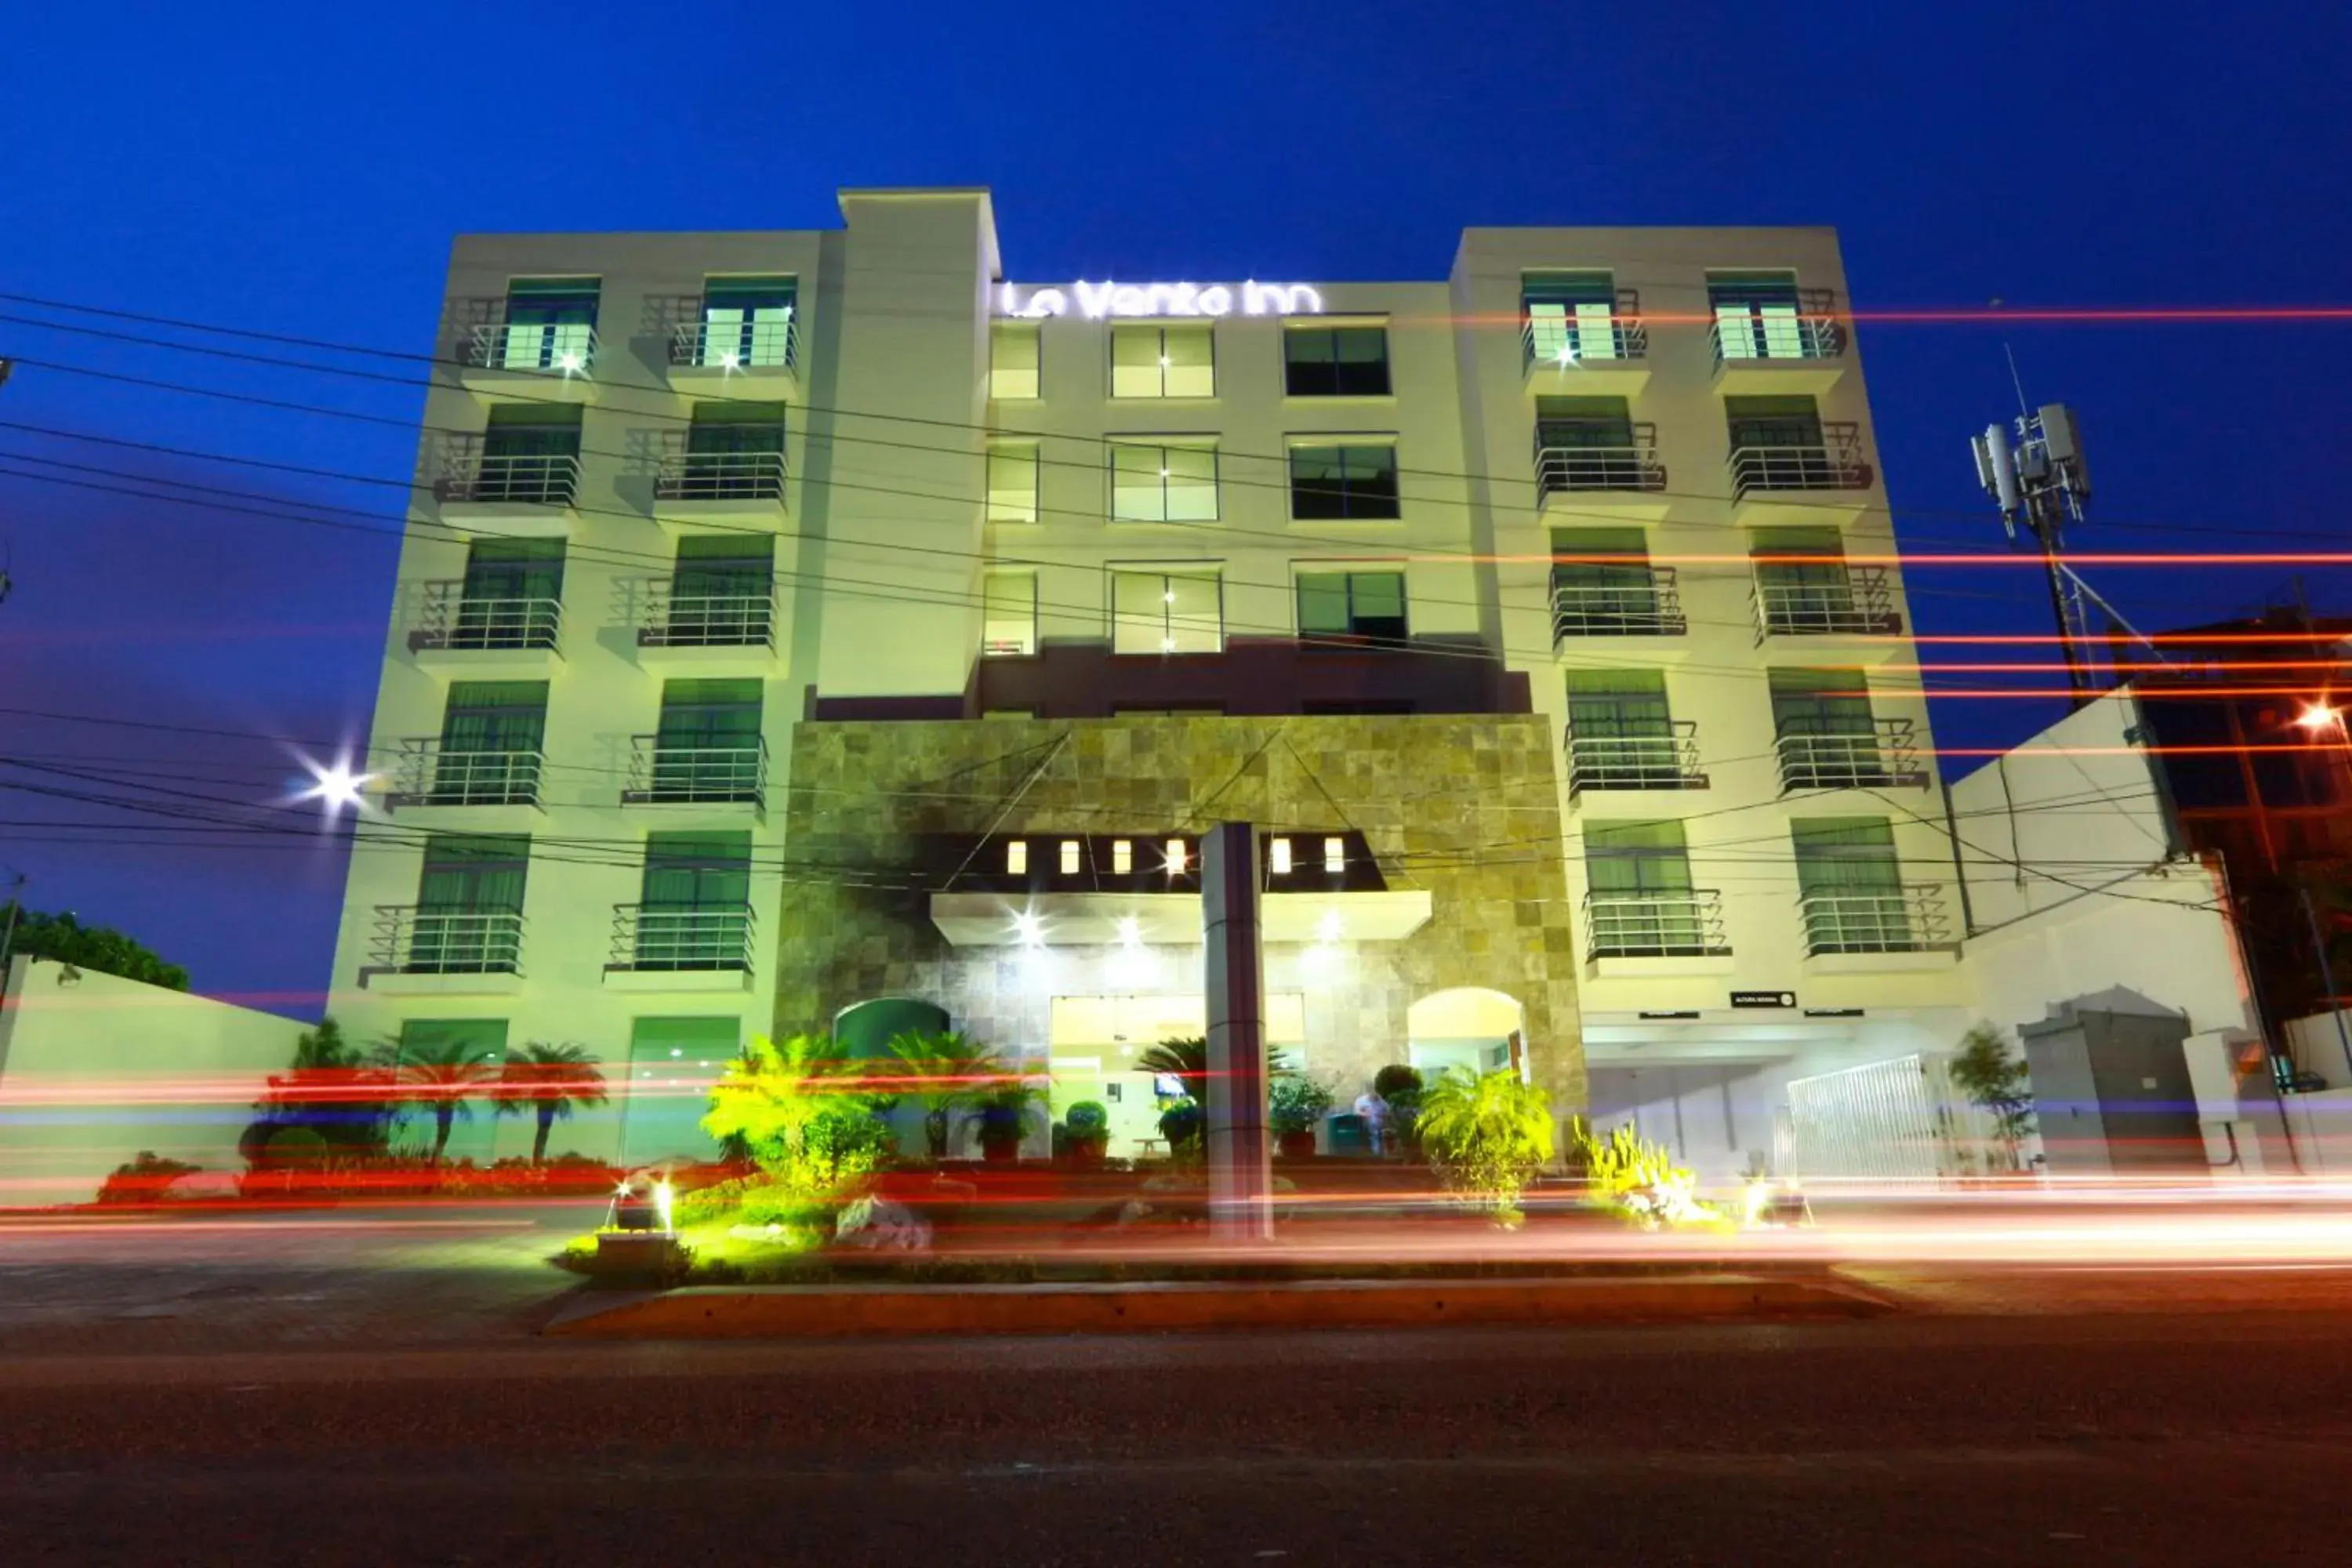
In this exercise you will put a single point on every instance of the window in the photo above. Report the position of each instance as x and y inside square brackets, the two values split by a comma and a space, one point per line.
[1016, 857]
[1008, 616]
[1584, 424]
[1347, 609]
[696, 908]
[530, 455]
[677, 1060]
[1335, 855]
[1571, 317]
[469, 904]
[1621, 731]
[492, 733]
[448, 1040]
[1801, 581]
[1850, 885]
[734, 451]
[1827, 734]
[1602, 583]
[1358, 481]
[1281, 854]
[1012, 481]
[1793, 421]
[1168, 612]
[1757, 315]
[1176, 856]
[1640, 894]
[550, 324]
[1163, 484]
[1154, 360]
[1012, 360]
[747, 322]
[512, 596]
[707, 745]
[1335, 361]
[721, 592]
[1122, 856]
[1069, 861]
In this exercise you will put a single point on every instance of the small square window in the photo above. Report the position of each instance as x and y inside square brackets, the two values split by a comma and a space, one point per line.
[1335, 855]
[1016, 857]
[1176, 856]
[1335, 361]
[1012, 481]
[1154, 360]
[1358, 479]
[1282, 856]
[1008, 620]
[1069, 856]
[1013, 360]
[1122, 856]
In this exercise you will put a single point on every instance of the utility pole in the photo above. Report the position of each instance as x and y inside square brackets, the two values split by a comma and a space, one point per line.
[2040, 485]
[15, 908]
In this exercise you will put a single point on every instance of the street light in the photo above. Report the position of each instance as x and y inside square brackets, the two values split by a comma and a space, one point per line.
[336, 786]
[2319, 717]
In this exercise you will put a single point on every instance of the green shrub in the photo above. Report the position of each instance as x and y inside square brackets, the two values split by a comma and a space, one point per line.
[1397, 1081]
[1295, 1103]
[302, 1147]
[144, 1179]
[1087, 1119]
[1488, 1133]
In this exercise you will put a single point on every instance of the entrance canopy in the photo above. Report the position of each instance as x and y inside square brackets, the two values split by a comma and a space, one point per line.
[1174, 920]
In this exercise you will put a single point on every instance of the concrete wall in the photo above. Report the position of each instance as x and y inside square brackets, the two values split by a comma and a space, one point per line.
[94, 1069]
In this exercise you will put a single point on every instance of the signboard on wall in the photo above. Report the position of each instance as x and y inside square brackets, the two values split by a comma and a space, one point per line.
[1763, 999]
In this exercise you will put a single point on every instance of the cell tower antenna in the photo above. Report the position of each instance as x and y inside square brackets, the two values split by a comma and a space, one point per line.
[2040, 483]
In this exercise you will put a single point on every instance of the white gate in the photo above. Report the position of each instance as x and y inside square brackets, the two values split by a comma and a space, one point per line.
[1897, 1120]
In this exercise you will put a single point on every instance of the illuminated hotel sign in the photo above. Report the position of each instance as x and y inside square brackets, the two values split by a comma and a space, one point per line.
[1097, 300]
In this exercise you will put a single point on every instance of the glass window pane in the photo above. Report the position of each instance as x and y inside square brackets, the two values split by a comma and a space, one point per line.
[1323, 602]
[1191, 353]
[1138, 484]
[1195, 614]
[1316, 490]
[1192, 483]
[1363, 361]
[1135, 368]
[1139, 611]
[1012, 481]
[1012, 360]
[1009, 613]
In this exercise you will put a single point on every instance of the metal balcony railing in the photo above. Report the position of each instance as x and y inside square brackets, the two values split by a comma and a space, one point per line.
[1903, 919]
[720, 476]
[1667, 760]
[1809, 331]
[669, 618]
[419, 939]
[1578, 471]
[1885, 755]
[1861, 601]
[511, 479]
[1582, 337]
[550, 348]
[1835, 465]
[671, 772]
[425, 772]
[650, 937]
[1646, 603]
[737, 346]
[1686, 923]
[443, 614]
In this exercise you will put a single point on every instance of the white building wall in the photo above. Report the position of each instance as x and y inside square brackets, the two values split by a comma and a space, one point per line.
[94, 1069]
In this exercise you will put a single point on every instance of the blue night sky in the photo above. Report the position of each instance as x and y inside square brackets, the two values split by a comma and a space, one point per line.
[301, 169]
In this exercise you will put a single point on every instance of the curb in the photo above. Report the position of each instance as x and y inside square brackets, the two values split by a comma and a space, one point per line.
[794, 1311]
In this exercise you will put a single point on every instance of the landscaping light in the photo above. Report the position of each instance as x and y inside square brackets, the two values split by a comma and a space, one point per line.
[1131, 931]
[661, 1203]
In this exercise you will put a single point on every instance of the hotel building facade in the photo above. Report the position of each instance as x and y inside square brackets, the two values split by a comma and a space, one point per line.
[812, 629]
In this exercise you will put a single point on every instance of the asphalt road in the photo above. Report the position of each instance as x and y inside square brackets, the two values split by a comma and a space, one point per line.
[1921, 1441]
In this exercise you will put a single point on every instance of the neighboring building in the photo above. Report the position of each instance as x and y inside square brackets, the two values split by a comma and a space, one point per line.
[794, 620]
[94, 1069]
[2247, 717]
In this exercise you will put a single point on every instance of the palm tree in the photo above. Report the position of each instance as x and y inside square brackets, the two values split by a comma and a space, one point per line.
[551, 1083]
[1489, 1133]
[441, 1075]
[1187, 1060]
[942, 1073]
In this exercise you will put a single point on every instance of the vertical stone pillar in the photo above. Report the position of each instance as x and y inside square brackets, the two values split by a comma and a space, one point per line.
[1241, 1179]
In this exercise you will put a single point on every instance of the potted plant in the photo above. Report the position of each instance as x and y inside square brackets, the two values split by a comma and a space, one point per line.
[1084, 1135]
[1001, 1114]
[1294, 1104]
[1400, 1086]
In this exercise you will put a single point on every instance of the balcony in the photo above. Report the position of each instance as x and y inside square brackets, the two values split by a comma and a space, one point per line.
[1782, 487]
[716, 632]
[420, 949]
[529, 361]
[703, 487]
[1641, 601]
[521, 493]
[1653, 932]
[1598, 350]
[1853, 613]
[425, 772]
[1600, 484]
[447, 625]
[668, 948]
[674, 773]
[1768, 348]
[759, 361]
[1884, 756]
[1862, 931]
[1667, 760]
